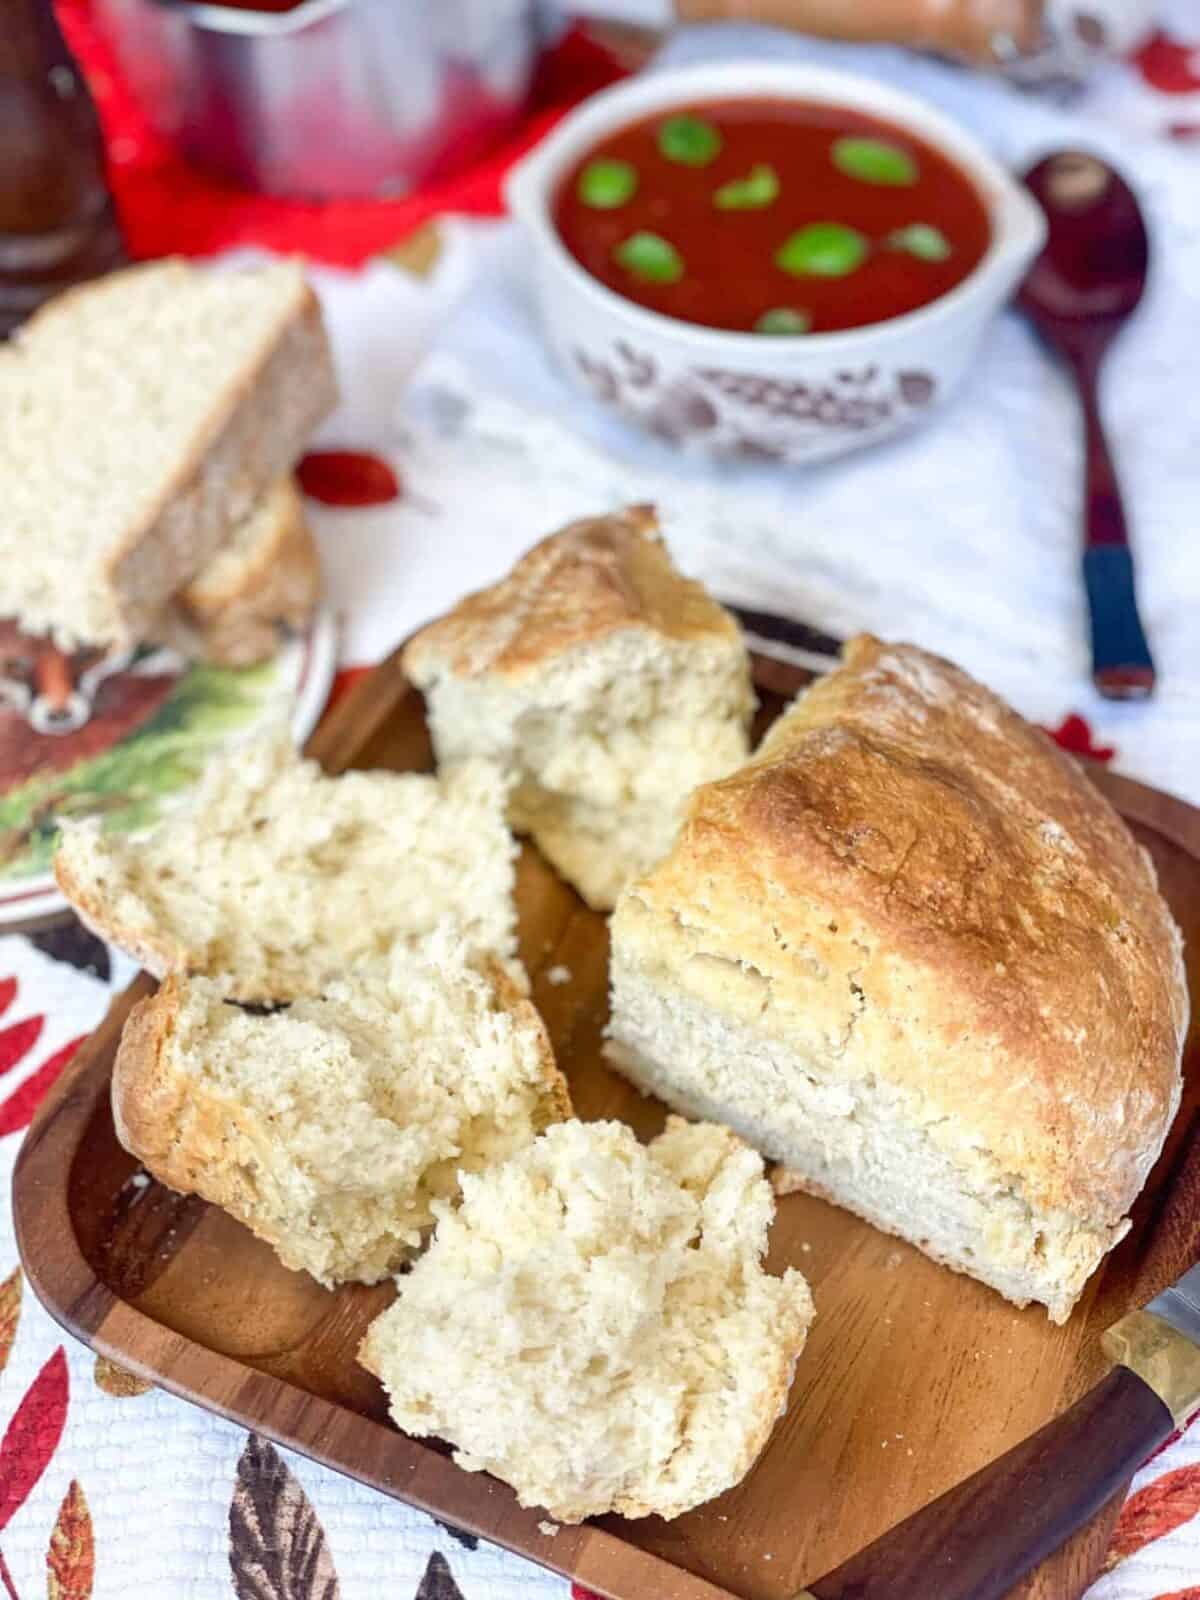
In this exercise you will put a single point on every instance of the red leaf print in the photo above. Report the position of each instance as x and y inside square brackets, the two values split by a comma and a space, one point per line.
[1169, 65]
[347, 478]
[578, 1592]
[1158, 1509]
[8, 993]
[1181, 1594]
[1074, 734]
[33, 1434]
[71, 1558]
[17, 1111]
[17, 1040]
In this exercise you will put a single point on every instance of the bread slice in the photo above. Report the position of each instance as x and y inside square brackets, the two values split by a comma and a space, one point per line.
[330, 1128]
[145, 413]
[265, 579]
[606, 683]
[911, 953]
[593, 1325]
[284, 878]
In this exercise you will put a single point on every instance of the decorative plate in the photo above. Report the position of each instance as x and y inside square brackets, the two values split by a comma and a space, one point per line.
[125, 737]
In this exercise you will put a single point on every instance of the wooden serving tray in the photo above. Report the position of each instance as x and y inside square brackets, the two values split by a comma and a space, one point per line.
[913, 1377]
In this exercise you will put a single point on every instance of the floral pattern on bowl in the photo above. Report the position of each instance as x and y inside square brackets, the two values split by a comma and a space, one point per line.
[754, 416]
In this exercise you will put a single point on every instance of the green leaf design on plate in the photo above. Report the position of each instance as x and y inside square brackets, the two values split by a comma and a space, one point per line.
[874, 161]
[921, 239]
[783, 320]
[650, 257]
[822, 250]
[689, 140]
[607, 184]
[752, 193]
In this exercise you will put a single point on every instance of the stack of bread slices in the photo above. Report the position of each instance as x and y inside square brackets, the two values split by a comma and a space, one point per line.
[151, 421]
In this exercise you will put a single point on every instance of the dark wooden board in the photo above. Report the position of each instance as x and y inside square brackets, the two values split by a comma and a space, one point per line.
[913, 1377]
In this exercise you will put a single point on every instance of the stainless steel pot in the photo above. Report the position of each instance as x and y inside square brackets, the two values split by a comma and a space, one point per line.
[344, 98]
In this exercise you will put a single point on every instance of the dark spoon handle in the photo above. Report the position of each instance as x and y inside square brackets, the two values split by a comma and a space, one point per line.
[982, 1537]
[1122, 666]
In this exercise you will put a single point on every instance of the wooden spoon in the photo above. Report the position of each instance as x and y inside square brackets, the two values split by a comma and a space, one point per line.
[1079, 293]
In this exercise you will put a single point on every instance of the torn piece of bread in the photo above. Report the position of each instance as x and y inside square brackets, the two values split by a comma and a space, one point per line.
[284, 878]
[144, 414]
[608, 684]
[264, 579]
[330, 1128]
[593, 1324]
[911, 953]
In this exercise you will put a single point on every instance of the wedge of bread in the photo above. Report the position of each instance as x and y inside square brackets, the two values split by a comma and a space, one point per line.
[593, 1324]
[145, 414]
[606, 683]
[910, 952]
[264, 579]
[332, 1127]
[285, 878]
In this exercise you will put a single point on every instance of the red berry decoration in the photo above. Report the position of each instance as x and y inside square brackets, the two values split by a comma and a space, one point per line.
[347, 478]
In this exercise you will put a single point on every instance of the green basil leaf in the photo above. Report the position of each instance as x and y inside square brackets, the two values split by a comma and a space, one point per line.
[822, 250]
[783, 320]
[689, 140]
[921, 239]
[650, 257]
[607, 184]
[752, 193]
[875, 161]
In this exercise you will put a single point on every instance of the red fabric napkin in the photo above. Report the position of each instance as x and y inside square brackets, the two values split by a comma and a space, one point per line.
[170, 207]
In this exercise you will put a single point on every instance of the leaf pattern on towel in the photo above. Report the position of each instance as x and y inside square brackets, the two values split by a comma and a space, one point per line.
[117, 1382]
[277, 1546]
[33, 1434]
[71, 1558]
[438, 1582]
[1156, 1510]
[17, 1111]
[1074, 734]
[459, 1535]
[10, 1312]
[347, 478]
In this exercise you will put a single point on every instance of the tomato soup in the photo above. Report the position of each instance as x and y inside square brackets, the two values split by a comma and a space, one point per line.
[779, 217]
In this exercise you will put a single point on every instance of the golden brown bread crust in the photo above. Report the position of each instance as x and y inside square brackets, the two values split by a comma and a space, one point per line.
[904, 831]
[158, 951]
[593, 578]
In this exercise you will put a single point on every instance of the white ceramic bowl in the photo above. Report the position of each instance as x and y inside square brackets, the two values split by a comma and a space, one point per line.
[743, 395]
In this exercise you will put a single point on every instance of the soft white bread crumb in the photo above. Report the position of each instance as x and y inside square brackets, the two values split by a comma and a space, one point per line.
[265, 578]
[593, 1324]
[284, 878]
[332, 1126]
[604, 681]
[143, 415]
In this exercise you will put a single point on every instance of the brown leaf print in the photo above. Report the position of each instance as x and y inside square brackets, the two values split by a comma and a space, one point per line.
[10, 1313]
[1158, 1509]
[277, 1547]
[71, 1558]
[438, 1583]
[114, 1380]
